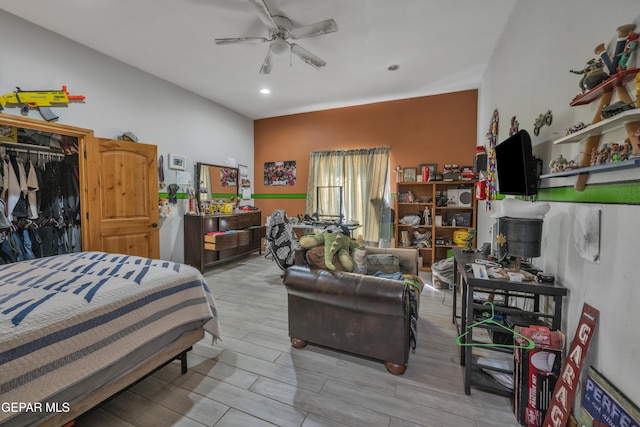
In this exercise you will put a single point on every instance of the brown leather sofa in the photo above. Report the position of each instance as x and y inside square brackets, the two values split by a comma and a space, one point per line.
[361, 314]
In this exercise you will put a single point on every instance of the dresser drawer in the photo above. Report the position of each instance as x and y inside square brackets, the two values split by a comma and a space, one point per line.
[247, 220]
[244, 237]
[220, 242]
[226, 223]
[258, 232]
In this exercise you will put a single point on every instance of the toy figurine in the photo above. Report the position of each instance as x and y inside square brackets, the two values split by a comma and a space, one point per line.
[515, 126]
[558, 164]
[399, 174]
[594, 157]
[627, 150]
[163, 207]
[603, 155]
[592, 75]
[576, 127]
[629, 48]
[614, 154]
[543, 119]
[624, 32]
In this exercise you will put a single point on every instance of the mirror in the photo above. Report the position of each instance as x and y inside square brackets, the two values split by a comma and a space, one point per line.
[215, 182]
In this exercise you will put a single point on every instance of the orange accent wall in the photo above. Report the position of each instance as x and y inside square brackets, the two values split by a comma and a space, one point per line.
[437, 129]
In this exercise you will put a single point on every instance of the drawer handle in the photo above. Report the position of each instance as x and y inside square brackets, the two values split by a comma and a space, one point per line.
[153, 224]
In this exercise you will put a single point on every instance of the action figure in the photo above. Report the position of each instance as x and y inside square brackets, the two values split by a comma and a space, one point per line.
[623, 34]
[629, 48]
[515, 126]
[592, 75]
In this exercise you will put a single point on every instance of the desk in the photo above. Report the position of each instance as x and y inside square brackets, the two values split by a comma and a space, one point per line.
[469, 283]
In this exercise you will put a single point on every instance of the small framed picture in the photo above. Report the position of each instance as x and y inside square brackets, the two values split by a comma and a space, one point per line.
[409, 174]
[177, 162]
[430, 172]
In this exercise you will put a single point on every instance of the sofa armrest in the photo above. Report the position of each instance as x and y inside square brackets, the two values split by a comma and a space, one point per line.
[348, 290]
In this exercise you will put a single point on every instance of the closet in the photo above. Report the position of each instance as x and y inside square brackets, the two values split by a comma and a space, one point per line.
[40, 195]
[97, 194]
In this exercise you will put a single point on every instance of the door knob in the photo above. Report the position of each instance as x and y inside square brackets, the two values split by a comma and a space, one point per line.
[153, 224]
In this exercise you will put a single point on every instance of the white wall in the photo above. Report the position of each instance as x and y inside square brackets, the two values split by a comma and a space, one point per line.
[529, 74]
[121, 98]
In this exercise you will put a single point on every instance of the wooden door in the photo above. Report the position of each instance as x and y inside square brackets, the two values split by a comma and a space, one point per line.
[121, 203]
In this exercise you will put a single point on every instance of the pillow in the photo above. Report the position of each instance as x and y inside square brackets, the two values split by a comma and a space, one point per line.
[386, 263]
[359, 256]
[315, 258]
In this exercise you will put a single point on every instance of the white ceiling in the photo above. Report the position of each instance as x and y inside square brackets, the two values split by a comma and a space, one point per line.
[440, 46]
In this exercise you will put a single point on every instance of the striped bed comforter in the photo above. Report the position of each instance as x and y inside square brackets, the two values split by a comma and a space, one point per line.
[66, 317]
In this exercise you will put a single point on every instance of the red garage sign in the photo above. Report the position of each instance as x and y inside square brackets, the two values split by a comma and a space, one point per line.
[565, 390]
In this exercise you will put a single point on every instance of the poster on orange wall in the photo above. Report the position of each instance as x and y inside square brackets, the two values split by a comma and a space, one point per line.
[280, 173]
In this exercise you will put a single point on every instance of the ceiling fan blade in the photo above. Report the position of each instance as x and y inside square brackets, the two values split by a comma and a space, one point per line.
[242, 40]
[307, 56]
[265, 15]
[317, 29]
[266, 65]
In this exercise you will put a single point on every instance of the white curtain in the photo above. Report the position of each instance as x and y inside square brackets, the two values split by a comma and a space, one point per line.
[360, 178]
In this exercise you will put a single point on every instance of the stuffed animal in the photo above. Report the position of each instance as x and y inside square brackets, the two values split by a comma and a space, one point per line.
[334, 243]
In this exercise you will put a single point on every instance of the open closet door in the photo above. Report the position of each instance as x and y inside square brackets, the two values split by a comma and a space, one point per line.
[121, 180]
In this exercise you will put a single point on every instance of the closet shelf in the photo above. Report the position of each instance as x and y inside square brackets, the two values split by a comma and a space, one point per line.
[608, 167]
[607, 125]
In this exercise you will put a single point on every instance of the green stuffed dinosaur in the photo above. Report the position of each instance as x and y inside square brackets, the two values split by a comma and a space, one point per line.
[334, 243]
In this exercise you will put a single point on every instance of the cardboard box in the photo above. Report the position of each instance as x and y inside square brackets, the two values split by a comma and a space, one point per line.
[536, 372]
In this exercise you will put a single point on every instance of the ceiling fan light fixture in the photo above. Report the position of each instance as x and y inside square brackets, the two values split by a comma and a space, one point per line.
[281, 30]
[278, 47]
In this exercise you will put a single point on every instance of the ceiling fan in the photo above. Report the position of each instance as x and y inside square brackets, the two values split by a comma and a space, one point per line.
[280, 31]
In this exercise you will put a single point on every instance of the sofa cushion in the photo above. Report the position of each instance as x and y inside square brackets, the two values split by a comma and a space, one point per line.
[359, 256]
[386, 263]
[315, 258]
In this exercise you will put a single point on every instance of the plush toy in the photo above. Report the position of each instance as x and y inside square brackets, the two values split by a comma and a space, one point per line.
[334, 243]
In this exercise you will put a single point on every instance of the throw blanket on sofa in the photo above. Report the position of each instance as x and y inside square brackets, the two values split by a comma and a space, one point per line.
[415, 288]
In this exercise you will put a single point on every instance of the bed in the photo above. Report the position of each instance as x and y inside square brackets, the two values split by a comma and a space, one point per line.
[77, 328]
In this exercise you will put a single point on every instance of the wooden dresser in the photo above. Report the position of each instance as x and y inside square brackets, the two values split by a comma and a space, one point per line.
[202, 250]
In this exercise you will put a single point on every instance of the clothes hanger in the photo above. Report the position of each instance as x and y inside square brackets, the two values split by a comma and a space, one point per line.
[491, 321]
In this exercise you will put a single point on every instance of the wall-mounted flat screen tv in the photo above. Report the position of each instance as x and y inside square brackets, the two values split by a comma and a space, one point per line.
[517, 169]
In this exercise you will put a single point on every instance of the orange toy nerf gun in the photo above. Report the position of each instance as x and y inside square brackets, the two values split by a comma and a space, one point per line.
[40, 99]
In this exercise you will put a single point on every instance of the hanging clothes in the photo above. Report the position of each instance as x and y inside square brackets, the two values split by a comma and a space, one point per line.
[39, 204]
[16, 188]
[32, 188]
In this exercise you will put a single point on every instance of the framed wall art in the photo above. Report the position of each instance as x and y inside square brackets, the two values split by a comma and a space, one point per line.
[177, 162]
[409, 174]
[432, 169]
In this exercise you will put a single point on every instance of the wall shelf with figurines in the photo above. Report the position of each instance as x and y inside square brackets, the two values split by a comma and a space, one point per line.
[596, 84]
[606, 167]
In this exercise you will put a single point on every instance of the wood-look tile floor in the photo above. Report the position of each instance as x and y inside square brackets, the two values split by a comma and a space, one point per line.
[253, 377]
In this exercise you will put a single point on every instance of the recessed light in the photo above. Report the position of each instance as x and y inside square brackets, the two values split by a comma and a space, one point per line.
[265, 91]
[393, 67]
